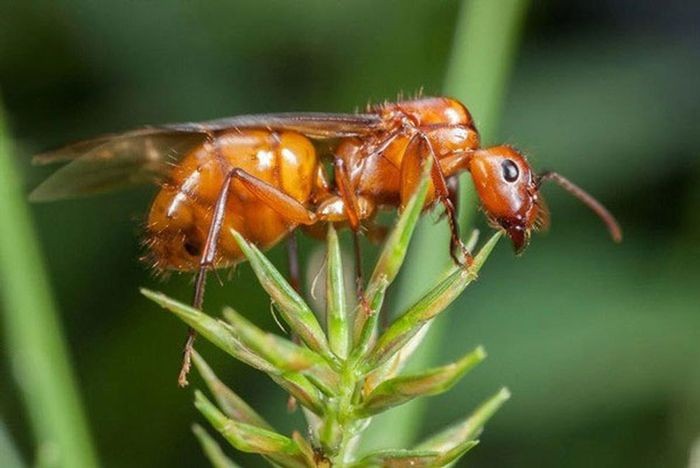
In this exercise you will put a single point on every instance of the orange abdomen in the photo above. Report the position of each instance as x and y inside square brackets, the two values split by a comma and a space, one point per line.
[182, 212]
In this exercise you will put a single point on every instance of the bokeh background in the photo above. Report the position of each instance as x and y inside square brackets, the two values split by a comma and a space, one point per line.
[599, 343]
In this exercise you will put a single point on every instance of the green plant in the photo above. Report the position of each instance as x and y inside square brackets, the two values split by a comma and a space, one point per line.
[341, 376]
[35, 341]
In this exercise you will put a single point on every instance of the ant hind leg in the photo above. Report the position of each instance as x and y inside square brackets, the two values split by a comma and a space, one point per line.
[205, 263]
[293, 261]
[272, 196]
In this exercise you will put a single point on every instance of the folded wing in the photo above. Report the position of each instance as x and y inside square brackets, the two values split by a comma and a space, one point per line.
[146, 155]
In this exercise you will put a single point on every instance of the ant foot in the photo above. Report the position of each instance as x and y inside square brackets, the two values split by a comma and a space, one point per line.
[186, 360]
[461, 255]
[185, 370]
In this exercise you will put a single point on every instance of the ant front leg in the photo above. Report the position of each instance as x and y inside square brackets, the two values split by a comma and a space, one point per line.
[453, 190]
[418, 149]
[456, 245]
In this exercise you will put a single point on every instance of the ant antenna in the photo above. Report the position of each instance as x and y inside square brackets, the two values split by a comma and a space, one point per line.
[586, 199]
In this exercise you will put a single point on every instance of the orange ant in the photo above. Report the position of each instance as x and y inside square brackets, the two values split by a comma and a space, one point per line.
[262, 176]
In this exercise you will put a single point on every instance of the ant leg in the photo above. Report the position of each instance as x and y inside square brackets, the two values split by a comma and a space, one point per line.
[456, 245]
[375, 232]
[451, 166]
[352, 207]
[411, 170]
[293, 261]
[453, 189]
[205, 262]
[285, 205]
[293, 265]
[289, 208]
[359, 280]
[352, 211]
[418, 149]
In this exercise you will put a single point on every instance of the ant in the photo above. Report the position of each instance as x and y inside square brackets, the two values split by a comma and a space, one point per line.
[263, 176]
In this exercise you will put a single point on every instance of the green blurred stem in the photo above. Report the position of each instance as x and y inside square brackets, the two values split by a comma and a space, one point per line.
[485, 42]
[9, 455]
[37, 347]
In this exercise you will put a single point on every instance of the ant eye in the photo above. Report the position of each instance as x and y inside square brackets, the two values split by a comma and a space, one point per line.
[510, 170]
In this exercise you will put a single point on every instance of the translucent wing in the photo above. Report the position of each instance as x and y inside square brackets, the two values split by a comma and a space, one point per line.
[142, 156]
[111, 163]
[312, 124]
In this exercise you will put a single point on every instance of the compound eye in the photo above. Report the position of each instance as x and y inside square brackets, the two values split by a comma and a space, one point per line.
[510, 170]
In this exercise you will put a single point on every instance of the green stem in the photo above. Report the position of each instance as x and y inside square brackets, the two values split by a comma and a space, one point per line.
[485, 41]
[485, 44]
[348, 385]
[348, 425]
[36, 345]
[9, 456]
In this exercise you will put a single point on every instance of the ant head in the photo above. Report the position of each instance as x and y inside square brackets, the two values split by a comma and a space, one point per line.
[509, 193]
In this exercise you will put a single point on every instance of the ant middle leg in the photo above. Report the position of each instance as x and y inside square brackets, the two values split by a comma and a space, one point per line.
[292, 210]
[353, 214]
[453, 191]
[359, 278]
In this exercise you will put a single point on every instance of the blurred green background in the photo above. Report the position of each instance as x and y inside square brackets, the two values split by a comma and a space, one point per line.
[599, 343]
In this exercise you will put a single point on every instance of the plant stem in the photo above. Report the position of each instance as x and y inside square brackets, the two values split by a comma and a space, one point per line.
[485, 43]
[9, 456]
[36, 344]
[349, 385]
[486, 36]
